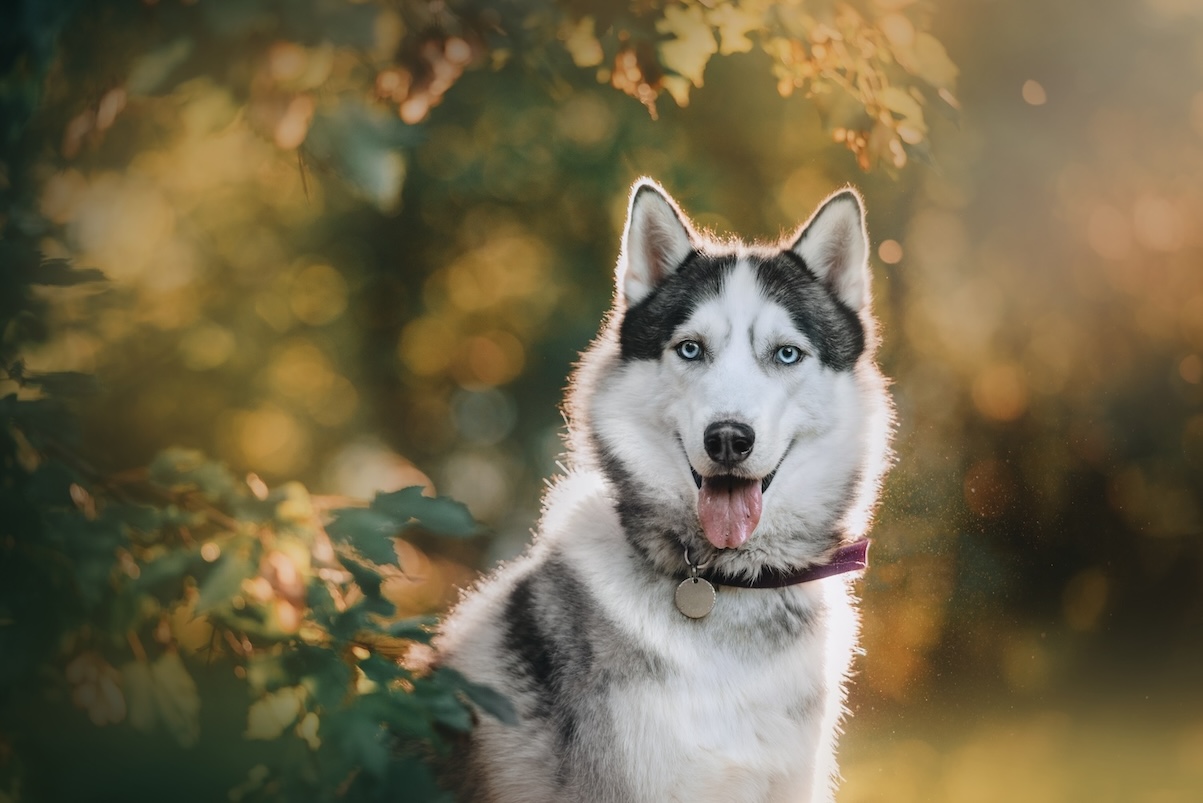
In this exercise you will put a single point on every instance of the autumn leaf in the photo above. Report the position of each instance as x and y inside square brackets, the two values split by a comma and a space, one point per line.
[734, 23]
[693, 46]
[163, 693]
[901, 103]
[176, 699]
[678, 87]
[931, 62]
[580, 39]
[270, 715]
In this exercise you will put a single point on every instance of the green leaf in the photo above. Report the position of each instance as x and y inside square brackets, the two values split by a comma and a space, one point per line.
[50, 484]
[409, 778]
[321, 604]
[59, 272]
[223, 582]
[363, 739]
[151, 71]
[176, 698]
[330, 675]
[404, 714]
[265, 673]
[368, 579]
[187, 468]
[438, 514]
[361, 616]
[64, 383]
[89, 546]
[163, 693]
[418, 628]
[171, 566]
[369, 531]
[381, 669]
[142, 519]
[490, 701]
[441, 702]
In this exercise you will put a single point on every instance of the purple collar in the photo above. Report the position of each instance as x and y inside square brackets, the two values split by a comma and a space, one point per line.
[848, 558]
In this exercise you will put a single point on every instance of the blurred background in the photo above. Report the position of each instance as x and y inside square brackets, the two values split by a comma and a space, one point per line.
[360, 245]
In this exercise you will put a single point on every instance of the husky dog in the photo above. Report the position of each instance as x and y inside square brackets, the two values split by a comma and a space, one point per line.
[682, 627]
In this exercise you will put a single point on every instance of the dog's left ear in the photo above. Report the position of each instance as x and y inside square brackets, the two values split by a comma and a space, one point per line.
[833, 244]
[657, 240]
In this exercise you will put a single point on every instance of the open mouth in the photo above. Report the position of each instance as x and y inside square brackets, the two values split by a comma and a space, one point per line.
[764, 482]
[729, 507]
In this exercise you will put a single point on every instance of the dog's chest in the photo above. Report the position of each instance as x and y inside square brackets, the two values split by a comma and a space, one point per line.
[722, 725]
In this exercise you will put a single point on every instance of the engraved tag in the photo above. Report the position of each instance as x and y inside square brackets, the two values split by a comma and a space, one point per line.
[695, 597]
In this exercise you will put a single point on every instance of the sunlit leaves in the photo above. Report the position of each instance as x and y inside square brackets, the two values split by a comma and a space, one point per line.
[580, 39]
[855, 63]
[96, 688]
[929, 60]
[223, 582]
[163, 694]
[692, 43]
[411, 57]
[273, 713]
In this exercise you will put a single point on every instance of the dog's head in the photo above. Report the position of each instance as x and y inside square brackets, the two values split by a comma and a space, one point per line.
[732, 400]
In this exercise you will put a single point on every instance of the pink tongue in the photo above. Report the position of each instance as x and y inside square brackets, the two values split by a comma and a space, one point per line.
[729, 509]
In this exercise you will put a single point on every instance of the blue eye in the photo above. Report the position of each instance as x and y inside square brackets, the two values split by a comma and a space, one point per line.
[788, 355]
[689, 350]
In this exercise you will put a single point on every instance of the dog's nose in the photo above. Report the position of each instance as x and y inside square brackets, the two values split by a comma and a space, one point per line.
[728, 442]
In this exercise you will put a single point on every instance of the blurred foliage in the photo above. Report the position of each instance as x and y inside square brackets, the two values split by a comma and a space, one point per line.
[356, 246]
[216, 159]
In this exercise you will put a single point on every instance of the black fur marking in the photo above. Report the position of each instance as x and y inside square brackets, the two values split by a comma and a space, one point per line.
[792, 619]
[767, 481]
[835, 329]
[805, 707]
[657, 539]
[525, 639]
[570, 659]
[648, 326]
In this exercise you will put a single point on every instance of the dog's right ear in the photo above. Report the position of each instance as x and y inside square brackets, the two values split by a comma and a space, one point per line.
[656, 241]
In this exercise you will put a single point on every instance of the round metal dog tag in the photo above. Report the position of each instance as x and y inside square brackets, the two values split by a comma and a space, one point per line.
[695, 597]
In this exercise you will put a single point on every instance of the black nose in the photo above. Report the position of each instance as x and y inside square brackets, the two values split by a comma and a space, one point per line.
[728, 442]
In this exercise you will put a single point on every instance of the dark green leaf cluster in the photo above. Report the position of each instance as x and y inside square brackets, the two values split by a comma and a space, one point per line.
[371, 530]
[129, 598]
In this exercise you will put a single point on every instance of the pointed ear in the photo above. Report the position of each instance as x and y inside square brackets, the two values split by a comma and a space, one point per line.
[834, 246]
[657, 240]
